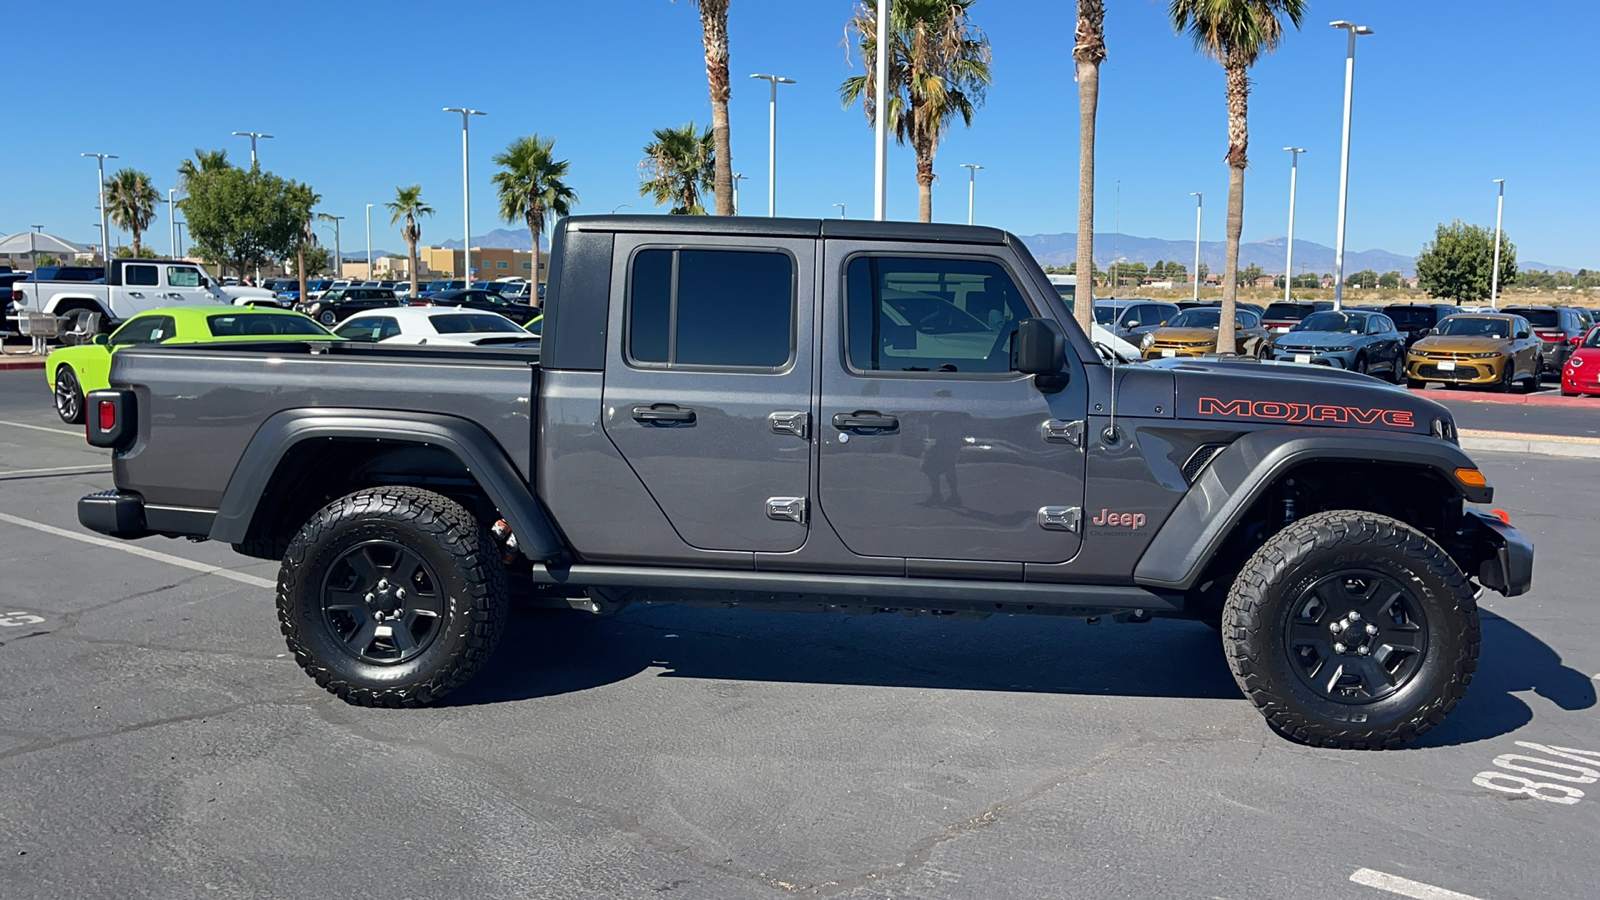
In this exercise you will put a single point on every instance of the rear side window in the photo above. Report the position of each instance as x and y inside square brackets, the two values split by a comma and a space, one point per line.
[263, 325]
[931, 315]
[473, 323]
[1541, 318]
[141, 276]
[711, 308]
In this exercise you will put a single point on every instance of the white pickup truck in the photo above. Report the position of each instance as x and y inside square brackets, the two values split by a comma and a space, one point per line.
[135, 285]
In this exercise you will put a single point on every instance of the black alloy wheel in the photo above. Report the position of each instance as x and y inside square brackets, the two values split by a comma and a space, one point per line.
[382, 601]
[68, 396]
[1360, 365]
[1356, 636]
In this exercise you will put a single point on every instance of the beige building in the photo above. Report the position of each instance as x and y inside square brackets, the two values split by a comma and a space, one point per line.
[488, 263]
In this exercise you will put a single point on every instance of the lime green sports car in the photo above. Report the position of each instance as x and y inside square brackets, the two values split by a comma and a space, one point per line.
[74, 371]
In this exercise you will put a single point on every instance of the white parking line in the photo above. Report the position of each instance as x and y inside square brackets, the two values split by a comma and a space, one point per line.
[86, 469]
[136, 550]
[76, 434]
[1405, 887]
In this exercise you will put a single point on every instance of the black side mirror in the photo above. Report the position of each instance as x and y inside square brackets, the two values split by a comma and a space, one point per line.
[1041, 347]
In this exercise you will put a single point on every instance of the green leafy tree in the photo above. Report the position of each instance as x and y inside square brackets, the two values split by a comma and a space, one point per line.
[1366, 278]
[530, 184]
[1457, 263]
[204, 161]
[1389, 280]
[130, 253]
[1235, 33]
[241, 219]
[677, 167]
[938, 70]
[407, 205]
[131, 203]
[714, 38]
[1249, 274]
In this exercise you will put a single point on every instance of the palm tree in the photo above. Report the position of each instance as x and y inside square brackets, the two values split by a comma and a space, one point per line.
[302, 199]
[204, 161]
[938, 69]
[1235, 33]
[714, 35]
[677, 166]
[1089, 51]
[131, 202]
[407, 204]
[530, 186]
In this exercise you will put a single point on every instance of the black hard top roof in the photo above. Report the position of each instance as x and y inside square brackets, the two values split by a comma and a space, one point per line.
[761, 226]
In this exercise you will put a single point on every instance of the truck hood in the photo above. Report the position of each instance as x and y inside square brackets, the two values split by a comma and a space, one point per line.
[1288, 394]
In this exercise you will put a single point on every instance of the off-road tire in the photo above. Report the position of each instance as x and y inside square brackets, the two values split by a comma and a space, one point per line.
[440, 531]
[1264, 596]
[68, 395]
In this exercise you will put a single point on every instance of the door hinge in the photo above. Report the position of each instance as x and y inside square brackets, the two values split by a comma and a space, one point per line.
[1056, 431]
[795, 423]
[787, 509]
[1060, 518]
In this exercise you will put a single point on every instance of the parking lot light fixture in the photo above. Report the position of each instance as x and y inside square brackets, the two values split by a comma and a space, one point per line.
[1494, 276]
[972, 186]
[1288, 263]
[1199, 214]
[466, 197]
[1344, 159]
[253, 136]
[880, 124]
[772, 141]
[841, 209]
[105, 241]
[338, 252]
[736, 179]
[368, 276]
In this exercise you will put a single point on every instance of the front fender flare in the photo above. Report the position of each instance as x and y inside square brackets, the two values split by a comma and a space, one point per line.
[1239, 475]
[468, 442]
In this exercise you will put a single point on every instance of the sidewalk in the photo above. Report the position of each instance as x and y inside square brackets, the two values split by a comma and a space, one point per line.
[1518, 442]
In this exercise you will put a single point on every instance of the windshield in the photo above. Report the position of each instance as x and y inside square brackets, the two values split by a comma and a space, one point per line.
[1197, 318]
[264, 325]
[1540, 318]
[1354, 323]
[1472, 326]
[473, 323]
[1289, 311]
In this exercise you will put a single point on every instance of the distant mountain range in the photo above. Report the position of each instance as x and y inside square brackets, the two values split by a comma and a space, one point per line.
[510, 238]
[1062, 250]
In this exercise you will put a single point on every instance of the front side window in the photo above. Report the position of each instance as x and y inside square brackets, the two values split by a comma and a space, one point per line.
[185, 277]
[931, 315]
[141, 276]
[711, 308]
[147, 330]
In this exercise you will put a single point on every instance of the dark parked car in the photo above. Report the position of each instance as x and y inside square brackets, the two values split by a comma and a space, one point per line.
[437, 285]
[1366, 342]
[1132, 319]
[336, 304]
[1281, 317]
[1417, 320]
[520, 313]
[1561, 328]
[90, 274]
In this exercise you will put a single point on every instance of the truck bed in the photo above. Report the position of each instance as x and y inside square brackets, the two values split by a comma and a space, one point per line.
[209, 401]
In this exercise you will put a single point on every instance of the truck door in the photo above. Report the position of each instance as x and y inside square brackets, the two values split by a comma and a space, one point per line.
[932, 446]
[141, 290]
[184, 285]
[708, 384]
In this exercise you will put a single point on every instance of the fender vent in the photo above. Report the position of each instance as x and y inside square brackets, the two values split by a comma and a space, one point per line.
[1202, 457]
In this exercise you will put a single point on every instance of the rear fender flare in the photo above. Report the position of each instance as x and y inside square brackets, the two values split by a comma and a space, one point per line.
[1241, 474]
[477, 451]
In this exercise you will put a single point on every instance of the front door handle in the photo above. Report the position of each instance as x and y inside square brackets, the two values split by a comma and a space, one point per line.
[663, 414]
[865, 421]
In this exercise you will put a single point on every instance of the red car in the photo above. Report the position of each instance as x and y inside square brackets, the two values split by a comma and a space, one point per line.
[1581, 374]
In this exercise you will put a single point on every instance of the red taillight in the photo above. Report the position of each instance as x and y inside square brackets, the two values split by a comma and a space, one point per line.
[1551, 335]
[108, 415]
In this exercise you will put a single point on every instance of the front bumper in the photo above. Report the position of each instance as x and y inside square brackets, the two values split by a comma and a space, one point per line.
[1338, 360]
[1502, 554]
[1467, 371]
[1581, 380]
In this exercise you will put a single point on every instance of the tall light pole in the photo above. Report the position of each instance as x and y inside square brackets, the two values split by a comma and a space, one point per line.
[972, 186]
[172, 224]
[1288, 265]
[1199, 215]
[466, 200]
[841, 209]
[180, 238]
[105, 232]
[1494, 277]
[772, 140]
[338, 253]
[880, 125]
[736, 179]
[1344, 163]
[252, 135]
[368, 276]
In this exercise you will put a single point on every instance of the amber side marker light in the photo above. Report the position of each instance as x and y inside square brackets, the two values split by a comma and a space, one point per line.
[1471, 477]
[1502, 515]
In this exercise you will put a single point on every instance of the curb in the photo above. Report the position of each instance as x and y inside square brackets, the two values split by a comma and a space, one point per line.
[1544, 444]
[1552, 398]
[20, 363]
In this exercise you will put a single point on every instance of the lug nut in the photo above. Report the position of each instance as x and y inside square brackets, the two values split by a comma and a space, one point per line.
[401, 594]
[1355, 616]
[1339, 648]
[1372, 629]
[1363, 650]
[1334, 627]
[370, 598]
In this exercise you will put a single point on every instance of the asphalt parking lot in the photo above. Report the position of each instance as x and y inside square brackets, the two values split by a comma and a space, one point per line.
[157, 741]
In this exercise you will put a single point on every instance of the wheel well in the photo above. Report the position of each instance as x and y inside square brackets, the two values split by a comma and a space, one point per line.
[1416, 495]
[315, 472]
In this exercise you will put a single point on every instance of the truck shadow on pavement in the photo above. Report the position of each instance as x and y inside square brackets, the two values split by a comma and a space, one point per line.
[547, 654]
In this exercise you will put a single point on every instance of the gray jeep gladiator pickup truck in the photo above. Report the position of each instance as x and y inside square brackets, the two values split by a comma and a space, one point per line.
[821, 414]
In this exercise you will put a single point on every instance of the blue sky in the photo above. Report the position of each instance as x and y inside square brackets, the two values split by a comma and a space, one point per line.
[1449, 95]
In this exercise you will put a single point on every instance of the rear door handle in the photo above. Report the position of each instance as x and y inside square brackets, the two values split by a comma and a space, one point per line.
[663, 414]
[864, 421]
